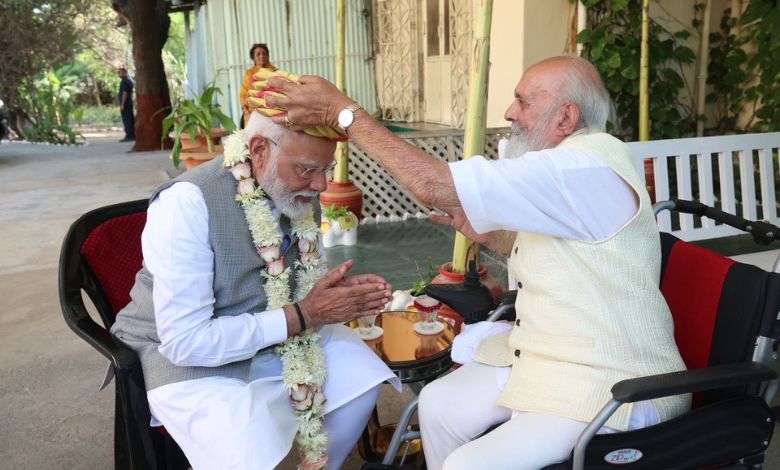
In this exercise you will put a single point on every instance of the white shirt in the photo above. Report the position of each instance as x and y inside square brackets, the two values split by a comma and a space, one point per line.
[557, 192]
[178, 253]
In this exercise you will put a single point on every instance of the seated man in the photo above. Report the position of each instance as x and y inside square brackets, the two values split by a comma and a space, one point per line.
[585, 251]
[227, 277]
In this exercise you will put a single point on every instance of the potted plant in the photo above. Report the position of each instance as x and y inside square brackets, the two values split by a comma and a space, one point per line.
[198, 127]
[339, 226]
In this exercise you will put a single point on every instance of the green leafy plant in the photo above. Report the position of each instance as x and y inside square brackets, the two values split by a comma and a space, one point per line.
[418, 288]
[78, 115]
[612, 42]
[333, 212]
[96, 117]
[54, 134]
[50, 101]
[346, 219]
[744, 69]
[195, 117]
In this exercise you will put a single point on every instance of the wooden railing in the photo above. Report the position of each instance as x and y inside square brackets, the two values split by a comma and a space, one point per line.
[737, 173]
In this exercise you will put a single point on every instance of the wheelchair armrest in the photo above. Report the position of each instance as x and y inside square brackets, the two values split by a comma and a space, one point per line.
[662, 385]
[506, 302]
[507, 297]
[688, 381]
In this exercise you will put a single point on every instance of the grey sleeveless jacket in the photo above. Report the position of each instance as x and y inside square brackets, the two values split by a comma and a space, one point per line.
[238, 286]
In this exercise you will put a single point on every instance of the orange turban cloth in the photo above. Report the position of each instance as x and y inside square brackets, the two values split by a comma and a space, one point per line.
[256, 101]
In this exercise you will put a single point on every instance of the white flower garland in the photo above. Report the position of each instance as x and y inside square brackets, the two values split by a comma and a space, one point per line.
[303, 362]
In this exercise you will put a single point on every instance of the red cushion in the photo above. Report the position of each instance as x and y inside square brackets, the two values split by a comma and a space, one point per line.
[113, 252]
[692, 285]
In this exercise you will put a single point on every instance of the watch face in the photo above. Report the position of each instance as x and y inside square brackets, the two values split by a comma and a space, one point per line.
[346, 117]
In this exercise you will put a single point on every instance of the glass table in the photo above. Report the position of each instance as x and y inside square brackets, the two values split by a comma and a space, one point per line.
[416, 359]
[412, 356]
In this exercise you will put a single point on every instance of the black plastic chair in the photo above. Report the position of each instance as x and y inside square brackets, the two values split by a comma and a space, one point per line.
[100, 257]
[727, 330]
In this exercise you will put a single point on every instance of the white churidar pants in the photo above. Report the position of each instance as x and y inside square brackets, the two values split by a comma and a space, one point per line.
[224, 423]
[455, 409]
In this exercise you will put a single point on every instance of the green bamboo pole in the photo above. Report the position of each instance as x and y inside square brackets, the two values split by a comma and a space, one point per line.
[644, 71]
[341, 172]
[474, 134]
[704, 60]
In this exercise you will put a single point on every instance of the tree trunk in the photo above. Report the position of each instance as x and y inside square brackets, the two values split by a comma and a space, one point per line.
[149, 22]
[96, 91]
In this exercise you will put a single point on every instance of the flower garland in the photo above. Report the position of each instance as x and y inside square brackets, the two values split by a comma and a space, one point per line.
[303, 362]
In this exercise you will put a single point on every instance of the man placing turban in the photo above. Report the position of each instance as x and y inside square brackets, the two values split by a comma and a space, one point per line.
[233, 318]
[585, 248]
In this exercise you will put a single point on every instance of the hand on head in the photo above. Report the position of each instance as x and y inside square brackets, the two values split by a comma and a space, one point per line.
[296, 102]
[311, 101]
[337, 298]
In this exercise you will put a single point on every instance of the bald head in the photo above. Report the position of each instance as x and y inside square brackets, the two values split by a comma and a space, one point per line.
[554, 99]
[572, 79]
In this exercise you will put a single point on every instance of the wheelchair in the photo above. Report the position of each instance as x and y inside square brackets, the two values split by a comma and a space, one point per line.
[727, 330]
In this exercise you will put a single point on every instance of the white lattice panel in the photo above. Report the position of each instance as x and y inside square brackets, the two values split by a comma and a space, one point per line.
[383, 199]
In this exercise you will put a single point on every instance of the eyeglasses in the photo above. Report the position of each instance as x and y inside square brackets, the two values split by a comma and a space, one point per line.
[309, 172]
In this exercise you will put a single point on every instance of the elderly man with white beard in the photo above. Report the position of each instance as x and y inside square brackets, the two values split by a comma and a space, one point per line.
[230, 273]
[585, 251]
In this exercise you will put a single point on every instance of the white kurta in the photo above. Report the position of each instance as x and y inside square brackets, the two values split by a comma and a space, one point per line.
[557, 192]
[217, 412]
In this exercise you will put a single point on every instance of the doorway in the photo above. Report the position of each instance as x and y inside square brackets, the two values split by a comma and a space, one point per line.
[437, 76]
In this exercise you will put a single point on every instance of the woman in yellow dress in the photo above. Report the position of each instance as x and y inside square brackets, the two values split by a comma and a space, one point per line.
[261, 56]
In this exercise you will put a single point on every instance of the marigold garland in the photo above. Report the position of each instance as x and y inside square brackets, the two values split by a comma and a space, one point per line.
[303, 361]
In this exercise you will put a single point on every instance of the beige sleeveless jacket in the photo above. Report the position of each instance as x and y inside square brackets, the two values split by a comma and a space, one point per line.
[591, 313]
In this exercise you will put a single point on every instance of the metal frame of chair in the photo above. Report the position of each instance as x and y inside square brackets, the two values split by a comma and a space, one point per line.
[756, 385]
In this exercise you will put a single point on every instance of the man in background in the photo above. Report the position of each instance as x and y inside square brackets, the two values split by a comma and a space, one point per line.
[126, 104]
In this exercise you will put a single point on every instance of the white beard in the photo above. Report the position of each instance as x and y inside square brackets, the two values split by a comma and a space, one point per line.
[523, 140]
[283, 198]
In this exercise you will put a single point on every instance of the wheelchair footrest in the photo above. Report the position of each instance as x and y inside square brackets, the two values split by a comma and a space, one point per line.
[694, 440]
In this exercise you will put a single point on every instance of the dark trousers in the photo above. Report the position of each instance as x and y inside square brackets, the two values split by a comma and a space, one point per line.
[129, 122]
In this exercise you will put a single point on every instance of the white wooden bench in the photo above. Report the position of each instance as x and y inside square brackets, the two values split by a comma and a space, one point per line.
[747, 169]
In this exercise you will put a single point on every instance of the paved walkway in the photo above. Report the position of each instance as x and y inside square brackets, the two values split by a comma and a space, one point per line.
[51, 413]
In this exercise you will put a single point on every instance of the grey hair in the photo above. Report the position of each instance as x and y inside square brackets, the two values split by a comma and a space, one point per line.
[582, 85]
[264, 126]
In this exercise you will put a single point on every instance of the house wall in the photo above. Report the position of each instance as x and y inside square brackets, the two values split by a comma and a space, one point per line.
[300, 34]
[385, 63]
[523, 33]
